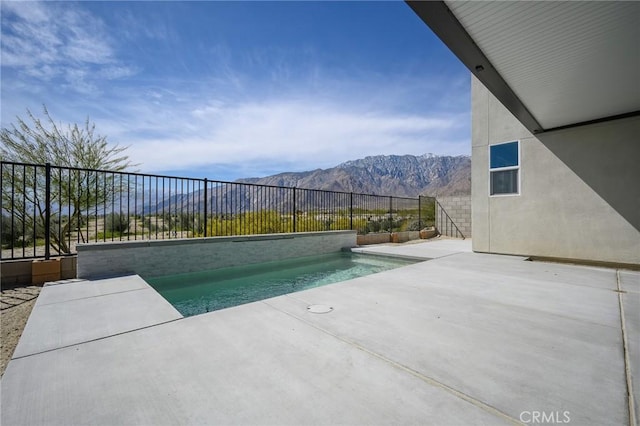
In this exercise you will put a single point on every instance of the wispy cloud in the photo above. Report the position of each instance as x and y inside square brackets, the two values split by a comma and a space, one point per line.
[131, 29]
[56, 41]
[278, 134]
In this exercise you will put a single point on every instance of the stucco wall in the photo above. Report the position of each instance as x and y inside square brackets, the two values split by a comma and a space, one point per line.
[579, 194]
[162, 257]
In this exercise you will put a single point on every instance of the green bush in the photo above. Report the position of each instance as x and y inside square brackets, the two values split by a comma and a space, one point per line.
[116, 223]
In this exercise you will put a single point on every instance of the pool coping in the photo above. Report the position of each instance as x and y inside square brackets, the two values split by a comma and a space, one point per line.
[357, 250]
[118, 245]
[92, 311]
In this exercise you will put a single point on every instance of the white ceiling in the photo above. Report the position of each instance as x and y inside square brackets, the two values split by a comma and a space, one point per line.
[567, 62]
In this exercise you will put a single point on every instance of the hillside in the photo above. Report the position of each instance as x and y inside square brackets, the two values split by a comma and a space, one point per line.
[398, 175]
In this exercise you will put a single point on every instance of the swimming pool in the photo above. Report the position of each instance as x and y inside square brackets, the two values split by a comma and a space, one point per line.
[199, 292]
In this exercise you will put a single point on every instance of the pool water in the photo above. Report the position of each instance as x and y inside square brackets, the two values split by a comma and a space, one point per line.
[199, 292]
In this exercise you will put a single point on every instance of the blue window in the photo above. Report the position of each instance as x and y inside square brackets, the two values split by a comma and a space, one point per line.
[504, 155]
[504, 168]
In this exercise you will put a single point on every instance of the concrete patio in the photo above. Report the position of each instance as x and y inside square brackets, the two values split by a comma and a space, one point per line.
[464, 338]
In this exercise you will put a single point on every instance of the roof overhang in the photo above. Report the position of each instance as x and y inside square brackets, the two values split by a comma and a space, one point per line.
[552, 64]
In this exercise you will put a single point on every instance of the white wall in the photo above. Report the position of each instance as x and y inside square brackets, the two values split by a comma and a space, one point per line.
[580, 188]
[152, 258]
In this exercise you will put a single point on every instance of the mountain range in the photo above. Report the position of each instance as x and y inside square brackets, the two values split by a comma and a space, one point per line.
[398, 175]
[387, 175]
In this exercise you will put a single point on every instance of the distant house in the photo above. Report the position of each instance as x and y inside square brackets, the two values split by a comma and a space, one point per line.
[556, 124]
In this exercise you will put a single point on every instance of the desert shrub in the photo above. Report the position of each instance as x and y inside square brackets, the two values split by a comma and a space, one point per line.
[414, 225]
[116, 223]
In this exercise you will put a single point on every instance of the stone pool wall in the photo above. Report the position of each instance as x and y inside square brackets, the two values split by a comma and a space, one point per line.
[152, 258]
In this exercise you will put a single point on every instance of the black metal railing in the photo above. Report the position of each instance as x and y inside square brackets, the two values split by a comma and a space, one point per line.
[444, 224]
[47, 210]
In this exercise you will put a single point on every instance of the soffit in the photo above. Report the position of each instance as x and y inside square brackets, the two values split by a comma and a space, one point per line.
[565, 62]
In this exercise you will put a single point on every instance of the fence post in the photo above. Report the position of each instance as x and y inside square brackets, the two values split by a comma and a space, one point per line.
[390, 214]
[437, 215]
[47, 211]
[294, 210]
[2, 210]
[351, 211]
[206, 204]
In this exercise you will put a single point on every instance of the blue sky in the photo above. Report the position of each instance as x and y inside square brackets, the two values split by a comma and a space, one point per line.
[238, 89]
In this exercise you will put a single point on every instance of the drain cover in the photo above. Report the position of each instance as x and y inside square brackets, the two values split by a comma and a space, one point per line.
[319, 309]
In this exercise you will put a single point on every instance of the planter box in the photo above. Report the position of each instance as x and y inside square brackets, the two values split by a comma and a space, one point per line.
[403, 237]
[428, 233]
[45, 270]
[15, 272]
[68, 267]
[363, 240]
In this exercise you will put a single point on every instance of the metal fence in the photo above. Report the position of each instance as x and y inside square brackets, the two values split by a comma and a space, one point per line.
[47, 210]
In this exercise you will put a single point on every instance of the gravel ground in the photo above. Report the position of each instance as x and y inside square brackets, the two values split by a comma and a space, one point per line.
[15, 307]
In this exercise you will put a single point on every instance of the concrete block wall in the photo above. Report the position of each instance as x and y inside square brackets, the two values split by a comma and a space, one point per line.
[164, 257]
[458, 208]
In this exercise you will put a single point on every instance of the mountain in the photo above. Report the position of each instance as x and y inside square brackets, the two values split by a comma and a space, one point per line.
[397, 175]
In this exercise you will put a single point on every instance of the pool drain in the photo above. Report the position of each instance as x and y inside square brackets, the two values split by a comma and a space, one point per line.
[319, 309]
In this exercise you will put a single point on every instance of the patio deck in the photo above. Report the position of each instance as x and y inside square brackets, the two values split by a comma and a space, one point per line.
[464, 338]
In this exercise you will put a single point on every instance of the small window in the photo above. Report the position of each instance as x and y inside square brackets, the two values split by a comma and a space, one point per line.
[504, 168]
